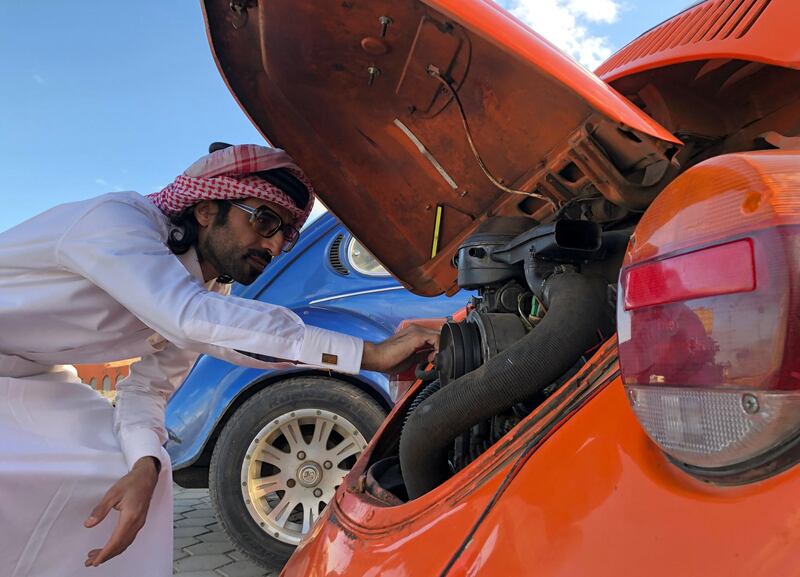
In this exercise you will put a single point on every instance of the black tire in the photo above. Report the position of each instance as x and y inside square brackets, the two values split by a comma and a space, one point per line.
[280, 399]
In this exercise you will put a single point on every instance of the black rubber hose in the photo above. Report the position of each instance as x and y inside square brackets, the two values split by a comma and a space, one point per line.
[576, 309]
[426, 392]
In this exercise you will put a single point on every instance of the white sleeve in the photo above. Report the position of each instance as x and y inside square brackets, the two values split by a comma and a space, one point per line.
[120, 248]
[141, 399]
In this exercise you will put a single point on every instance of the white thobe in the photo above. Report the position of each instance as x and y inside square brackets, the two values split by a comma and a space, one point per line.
[90, 282]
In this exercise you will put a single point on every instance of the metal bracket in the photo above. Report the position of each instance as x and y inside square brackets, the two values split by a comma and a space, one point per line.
[239, 9]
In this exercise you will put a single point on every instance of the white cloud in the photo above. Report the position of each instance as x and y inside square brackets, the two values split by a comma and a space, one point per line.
[38, 79]
[596, 10]
[564, 23]
[101, 182]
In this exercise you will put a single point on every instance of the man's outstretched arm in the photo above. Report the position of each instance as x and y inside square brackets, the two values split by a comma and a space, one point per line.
[405, 348]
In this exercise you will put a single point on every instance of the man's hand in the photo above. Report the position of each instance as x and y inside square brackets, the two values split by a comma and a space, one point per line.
[407, 347]
[131, 497]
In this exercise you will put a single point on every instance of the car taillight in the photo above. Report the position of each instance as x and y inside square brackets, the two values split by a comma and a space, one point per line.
[709, 311]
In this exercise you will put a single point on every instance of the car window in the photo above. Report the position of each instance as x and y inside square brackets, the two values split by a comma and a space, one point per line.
[363, 261]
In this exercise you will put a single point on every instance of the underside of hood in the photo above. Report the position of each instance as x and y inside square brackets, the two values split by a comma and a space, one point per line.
[417, 120]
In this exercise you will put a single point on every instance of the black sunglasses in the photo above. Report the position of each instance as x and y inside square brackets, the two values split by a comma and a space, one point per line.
[267, 223]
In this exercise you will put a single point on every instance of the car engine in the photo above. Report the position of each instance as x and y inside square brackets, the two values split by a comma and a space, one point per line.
[546, 298]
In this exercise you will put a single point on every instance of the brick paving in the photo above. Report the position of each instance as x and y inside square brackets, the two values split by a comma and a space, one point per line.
[200, 546]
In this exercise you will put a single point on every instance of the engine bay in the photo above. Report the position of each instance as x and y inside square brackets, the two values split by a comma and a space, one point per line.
[546, 301]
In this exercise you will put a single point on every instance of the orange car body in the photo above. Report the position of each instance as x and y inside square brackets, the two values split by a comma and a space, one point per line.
[588, 493]
[577, 487]
[597, 498]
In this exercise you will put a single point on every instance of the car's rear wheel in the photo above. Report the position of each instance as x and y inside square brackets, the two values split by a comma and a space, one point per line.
[281, 456]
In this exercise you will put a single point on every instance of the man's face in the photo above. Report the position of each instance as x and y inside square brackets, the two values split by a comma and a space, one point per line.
[235, 248]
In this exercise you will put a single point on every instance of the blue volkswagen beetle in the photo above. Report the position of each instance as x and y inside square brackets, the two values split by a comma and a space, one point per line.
[272, 446]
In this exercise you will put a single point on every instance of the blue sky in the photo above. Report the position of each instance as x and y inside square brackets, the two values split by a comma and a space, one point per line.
[103, 96]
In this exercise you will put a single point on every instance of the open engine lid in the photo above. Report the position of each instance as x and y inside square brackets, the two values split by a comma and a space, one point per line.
[357, 92]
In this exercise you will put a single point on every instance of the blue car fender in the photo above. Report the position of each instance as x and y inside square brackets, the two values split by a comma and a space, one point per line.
[214, 386]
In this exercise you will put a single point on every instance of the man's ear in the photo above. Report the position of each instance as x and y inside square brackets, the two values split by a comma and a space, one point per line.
[204, 212]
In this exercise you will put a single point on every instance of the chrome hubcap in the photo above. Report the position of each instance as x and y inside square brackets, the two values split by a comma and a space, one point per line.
[309, 474]
[293, 467]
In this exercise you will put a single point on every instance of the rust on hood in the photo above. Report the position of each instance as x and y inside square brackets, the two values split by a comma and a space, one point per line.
[367, 96]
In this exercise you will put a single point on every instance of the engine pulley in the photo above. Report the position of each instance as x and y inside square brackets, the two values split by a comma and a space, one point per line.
[466, 345]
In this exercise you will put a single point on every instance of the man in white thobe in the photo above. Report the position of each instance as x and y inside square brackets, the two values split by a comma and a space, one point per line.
[122, 276]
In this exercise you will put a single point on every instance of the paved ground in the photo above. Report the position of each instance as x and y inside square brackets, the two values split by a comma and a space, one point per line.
[201, 547]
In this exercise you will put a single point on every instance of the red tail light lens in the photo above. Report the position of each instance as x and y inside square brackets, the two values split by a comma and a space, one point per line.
[709, 334]
[718, 270]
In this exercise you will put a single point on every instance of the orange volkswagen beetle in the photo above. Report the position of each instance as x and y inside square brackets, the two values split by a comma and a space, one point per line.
[623, 397]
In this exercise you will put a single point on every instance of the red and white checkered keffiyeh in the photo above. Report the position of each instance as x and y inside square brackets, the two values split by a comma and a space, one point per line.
[226, 175]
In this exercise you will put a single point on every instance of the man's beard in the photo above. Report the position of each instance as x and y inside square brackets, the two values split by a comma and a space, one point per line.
[228, 260]
[256, 261]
